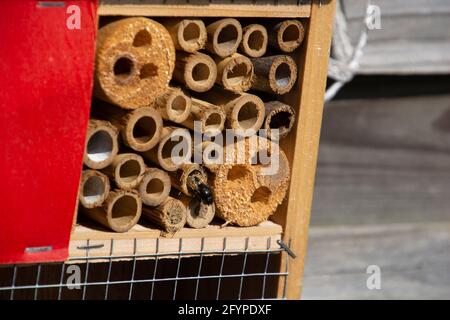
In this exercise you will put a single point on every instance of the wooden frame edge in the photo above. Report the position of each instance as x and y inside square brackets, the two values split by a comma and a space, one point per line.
[212, 10]
[312, 90]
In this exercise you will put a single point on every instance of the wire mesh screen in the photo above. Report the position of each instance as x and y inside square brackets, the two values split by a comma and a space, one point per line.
[176, 275]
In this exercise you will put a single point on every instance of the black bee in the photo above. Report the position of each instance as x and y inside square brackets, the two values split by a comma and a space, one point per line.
[200, 190]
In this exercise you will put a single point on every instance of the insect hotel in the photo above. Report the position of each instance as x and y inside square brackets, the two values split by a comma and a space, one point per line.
[160, 149]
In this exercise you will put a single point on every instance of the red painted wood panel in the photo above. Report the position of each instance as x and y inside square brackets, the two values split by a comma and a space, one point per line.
[45, 92]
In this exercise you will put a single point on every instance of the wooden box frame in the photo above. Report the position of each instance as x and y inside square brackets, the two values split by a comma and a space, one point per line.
[301, 145]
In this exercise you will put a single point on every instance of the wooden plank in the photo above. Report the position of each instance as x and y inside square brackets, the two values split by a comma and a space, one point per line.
[357, 185]
[89, 231]
[414, 37]
[418, 123]
[261, 237]
[425, 29]
[302, 151]
[414, 260]
[406, 57]
[208, 10]
[355, 9]
[384, 161]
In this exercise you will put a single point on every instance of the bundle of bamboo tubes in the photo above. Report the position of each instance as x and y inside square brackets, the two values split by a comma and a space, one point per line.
[158, 84]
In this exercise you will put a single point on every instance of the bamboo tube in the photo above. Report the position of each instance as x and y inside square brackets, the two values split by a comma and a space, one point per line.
[180, 177]
[135, 58]
[274, 74]
[245, 194]
[279, 116]
[208, 153]
[224, 37]
[254, 40]
[170, 215]
[101, 144]
[94, 188]
[187, 34]
[154, 187]
[235, 73]
[140, 129]
[120, 211]
[244, 112]
[174, 105]
[211, 118]
[126, 170]
[174, 149]
[199, 214]
[287, 35]
[197, 71]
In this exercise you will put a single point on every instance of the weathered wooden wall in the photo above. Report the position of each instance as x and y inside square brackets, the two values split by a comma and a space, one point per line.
[385, 155]
[382, 193]
[414, 38]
